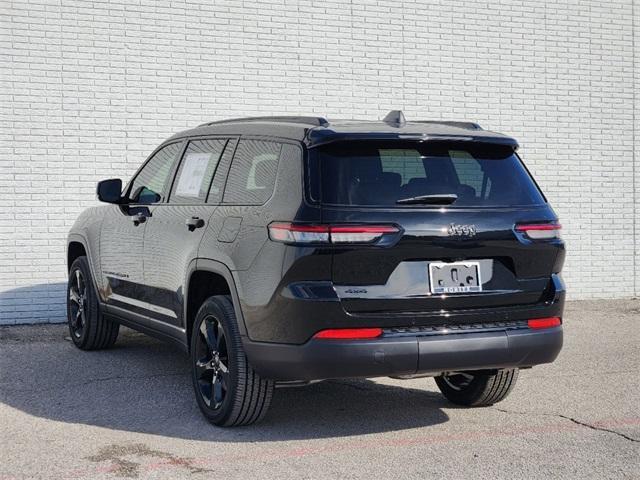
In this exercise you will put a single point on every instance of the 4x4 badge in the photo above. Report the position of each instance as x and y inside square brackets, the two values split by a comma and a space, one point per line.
[461, 230]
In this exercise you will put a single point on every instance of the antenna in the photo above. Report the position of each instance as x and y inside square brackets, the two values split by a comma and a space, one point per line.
[395, 118]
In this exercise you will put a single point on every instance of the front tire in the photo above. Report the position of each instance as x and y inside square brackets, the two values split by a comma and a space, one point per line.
[228, 391]
[477, 389]
[88, 329]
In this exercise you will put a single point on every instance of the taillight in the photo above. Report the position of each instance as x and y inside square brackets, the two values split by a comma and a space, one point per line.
[540, 231]
[349, 334]
[359, 234]
[333, 234]
[289, 233]
[538, 323]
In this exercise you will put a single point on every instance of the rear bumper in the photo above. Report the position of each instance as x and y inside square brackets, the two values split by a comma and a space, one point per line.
[404, 355]
[304, 308]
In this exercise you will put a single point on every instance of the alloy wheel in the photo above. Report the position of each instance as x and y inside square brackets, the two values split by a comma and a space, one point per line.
[458, 381]
[77, 303]
[211, 366]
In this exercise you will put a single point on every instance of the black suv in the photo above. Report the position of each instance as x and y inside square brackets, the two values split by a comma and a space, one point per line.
[286, 250]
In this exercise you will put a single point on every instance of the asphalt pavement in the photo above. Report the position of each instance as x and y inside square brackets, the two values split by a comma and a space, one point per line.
[129, 412]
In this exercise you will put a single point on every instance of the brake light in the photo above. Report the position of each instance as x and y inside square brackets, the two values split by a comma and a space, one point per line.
[540, 231]
[334, 234]
[538, 323]
[349, 334]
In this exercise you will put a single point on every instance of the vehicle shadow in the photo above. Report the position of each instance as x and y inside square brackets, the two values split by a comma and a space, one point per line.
[35, 303]
[143, 385]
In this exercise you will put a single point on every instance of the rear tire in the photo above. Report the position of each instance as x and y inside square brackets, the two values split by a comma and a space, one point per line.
[88, 328]
[228, 391]
[477, 389]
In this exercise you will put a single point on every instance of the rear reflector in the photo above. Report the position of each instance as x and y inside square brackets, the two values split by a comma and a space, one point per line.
[349, 333]
[540, 231]
[550, 322]
[336, 234]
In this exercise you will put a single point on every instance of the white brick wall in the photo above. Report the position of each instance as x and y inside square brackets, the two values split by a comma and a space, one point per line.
[90, 87]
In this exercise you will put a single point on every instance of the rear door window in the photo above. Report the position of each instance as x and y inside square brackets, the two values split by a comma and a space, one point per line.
[381, 174]
[252, 174]
[196, 170]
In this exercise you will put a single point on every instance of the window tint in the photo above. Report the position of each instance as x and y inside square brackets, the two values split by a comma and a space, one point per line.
[253, 172]
[470, 171]
[380, 174]
[149, 185]
[402, 161]
[196, 170]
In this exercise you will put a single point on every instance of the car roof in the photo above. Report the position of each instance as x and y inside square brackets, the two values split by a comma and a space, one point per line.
[314, 131]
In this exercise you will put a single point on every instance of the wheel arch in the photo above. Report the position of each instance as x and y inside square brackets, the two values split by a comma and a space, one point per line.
[205, 278]
[77, 246]
[75, 249]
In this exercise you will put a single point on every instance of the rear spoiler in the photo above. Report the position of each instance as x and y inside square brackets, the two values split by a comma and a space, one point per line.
[324, 136]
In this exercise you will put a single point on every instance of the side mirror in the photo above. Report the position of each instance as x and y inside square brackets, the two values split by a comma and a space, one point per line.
[109, 190]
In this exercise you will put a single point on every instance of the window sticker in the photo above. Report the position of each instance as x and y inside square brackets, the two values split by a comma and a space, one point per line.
[193, 170]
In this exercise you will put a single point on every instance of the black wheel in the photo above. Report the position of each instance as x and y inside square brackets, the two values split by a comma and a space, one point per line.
[89, 330]
[228, 391]
[477, 389]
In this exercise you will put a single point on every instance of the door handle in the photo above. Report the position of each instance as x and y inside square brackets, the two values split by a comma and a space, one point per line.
[193, 223]
[138, 218]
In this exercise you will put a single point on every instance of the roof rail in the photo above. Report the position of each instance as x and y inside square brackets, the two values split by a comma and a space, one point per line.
[314, 121]
[452, 123]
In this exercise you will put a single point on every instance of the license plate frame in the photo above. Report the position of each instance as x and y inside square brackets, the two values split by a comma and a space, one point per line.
[442, 281]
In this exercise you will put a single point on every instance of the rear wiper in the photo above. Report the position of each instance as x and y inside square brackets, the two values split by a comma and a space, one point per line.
[437, 199]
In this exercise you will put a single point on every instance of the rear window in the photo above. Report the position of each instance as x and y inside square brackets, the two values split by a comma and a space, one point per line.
[381, 174]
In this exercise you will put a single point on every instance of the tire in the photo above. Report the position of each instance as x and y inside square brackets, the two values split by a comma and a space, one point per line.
[477, 389]
[228, 391]
[88, 328]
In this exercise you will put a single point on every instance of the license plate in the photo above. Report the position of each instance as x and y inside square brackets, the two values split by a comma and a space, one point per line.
[457, 277]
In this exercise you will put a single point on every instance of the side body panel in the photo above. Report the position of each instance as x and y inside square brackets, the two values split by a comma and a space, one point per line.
[237, 236]
[169, 247]
[121, 256]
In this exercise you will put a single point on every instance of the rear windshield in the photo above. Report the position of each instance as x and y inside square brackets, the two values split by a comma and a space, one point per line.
[387, 174]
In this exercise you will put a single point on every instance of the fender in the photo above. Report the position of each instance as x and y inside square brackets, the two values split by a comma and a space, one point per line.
[214, 266]
[76, 237]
